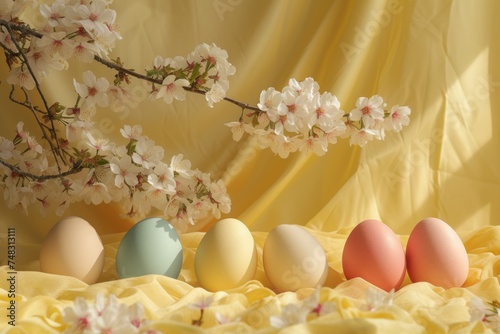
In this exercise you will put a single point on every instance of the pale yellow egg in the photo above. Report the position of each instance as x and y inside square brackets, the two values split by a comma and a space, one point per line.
[226, 256]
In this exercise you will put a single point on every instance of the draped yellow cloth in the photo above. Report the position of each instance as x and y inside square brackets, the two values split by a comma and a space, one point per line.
[438, 57]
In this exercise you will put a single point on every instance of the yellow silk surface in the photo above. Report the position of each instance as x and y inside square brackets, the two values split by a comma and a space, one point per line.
[438, 57]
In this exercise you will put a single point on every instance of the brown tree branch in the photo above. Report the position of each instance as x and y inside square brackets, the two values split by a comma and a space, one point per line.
[54, 148]
[25, 29]
[77, 167]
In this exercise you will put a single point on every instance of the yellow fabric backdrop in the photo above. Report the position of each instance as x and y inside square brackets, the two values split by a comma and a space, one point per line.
[438, 57]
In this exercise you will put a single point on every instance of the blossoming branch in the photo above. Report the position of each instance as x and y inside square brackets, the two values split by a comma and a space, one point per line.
[56, 171]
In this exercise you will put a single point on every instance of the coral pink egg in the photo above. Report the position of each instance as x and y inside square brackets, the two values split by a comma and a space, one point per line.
[436, 254]
[374, 252]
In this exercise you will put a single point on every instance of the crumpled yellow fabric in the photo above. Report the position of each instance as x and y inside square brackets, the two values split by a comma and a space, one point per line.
[438, 57]
[416, 308]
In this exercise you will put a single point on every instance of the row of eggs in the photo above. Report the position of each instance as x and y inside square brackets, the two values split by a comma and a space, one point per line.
[292, 258]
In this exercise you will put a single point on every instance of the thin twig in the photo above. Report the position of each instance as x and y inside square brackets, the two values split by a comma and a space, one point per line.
[22, 28]
[54, 149]
[116, 67]
[40, 178]
[134, 74]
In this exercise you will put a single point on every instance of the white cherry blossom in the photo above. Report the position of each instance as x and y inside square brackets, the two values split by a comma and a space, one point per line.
[478, 310]
[95, 17]
[327, 114]
[21, 133]
[279, 117]
[291, 314]
[285, 146]
[376, 298]
[32, 144]
[6, 39]
[93, 90]
[314, 144]
[211, 54]
[368, 110]
[296, 313]
[362, 137]
[131, 132]
[100, 144]
[266, 138]
[178, 62]
[270, 99]
[21, 76]
[81, 317]
[53, 13]
[24, 197]
[40, 60]
[147, 154]
[238, 129]
[398, 117]
[181, 166]
[488, 314]
[85, 51]
[159, 62]
[126, 172]
[295, 112]
[163, 178]
[77, 130]
[215, 94]
[93, 191]
[57, 43]
[7, 148]
[218, 194]
[172, 88]
[202, 304]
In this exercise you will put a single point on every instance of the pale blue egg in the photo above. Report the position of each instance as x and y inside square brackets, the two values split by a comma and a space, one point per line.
[151, 246]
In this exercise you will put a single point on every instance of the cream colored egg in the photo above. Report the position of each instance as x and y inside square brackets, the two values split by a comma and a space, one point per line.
[73, 248]
[436, 254]
[294, 259]
[226, 256]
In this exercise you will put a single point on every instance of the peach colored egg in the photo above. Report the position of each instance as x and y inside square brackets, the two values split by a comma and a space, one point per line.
[374, 252]
[73, 248]
[294, 259]
[436, 254]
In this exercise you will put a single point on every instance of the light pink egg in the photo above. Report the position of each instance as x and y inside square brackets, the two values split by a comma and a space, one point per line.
[436, 254]
[374, 252]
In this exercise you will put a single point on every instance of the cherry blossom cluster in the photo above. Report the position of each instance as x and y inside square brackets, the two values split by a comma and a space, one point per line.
[72, 28]
[300, 118]
[183, 194]
[302, 311]
[375, 300]
[108, 316]
[105, 316]
[132, 174]
[205, 69]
